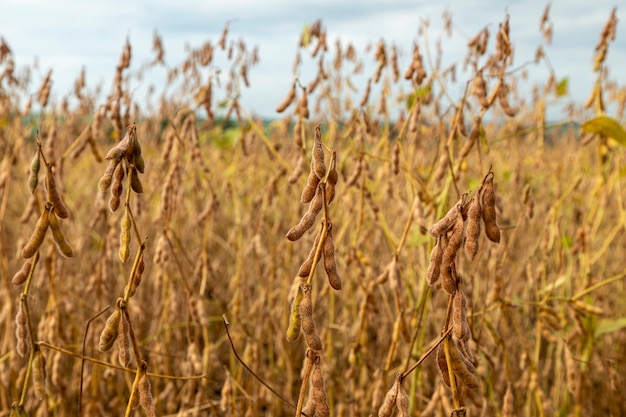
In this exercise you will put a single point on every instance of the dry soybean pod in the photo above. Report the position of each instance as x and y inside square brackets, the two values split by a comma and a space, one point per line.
[110, 331]
[331, 179]
[313, 341]
[445, 223]
[137, 278]
[54, 197]
[39, 373]
[305, 268]
[310, 188]
[434, 267]
[459, 316]
[389, 401]
[107, 177]
[443, 364]
[33, 176]
[463, 369]
[472, 232]
[125, 236]
[36, 239]
[21, 275]
[317, 156]
[330, 264]
[489, 210]
[58, 236]
[319, 390]
[291, 95]
[117, 187]
[402, 401]
[308, 218]
[123, 341]
[135, 182]
[449, 255]
[295, 320]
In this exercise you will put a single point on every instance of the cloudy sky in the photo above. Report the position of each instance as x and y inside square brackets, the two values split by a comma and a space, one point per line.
[67, 35]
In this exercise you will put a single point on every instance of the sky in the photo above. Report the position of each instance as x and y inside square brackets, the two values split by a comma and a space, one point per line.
[68, 35]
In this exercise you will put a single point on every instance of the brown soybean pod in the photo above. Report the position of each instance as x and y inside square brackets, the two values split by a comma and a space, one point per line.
[317, 157]
[125, 237]
[123, 341]
[434, 267]
[463, 369]
[472, 232]
[107, 177]
[21, 275]
[33, 177]
[58, 236]
[291, 94]
[305, 268]
[295, 319]
[308, 219]
[445, 223]
[311, 187]
[313, 341]
[54, 197]
[330, 264]
[443, 364]
[331, 180]
[37, 237]
[459, 316]
[489, 211]
[135, 182]
[110, 331]
[449, 255]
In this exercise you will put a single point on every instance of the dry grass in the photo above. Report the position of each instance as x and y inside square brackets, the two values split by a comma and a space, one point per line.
[190, 235]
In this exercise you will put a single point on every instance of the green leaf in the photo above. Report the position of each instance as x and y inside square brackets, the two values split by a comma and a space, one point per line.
[607, 126]
[421, 93]
[610, 325]
[561, 87]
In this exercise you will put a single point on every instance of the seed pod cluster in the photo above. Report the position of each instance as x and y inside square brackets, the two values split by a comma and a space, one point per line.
[480, 89]
[461, 226]
[313, 340]
[416, 68]
[314, 191]
[128, 150]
